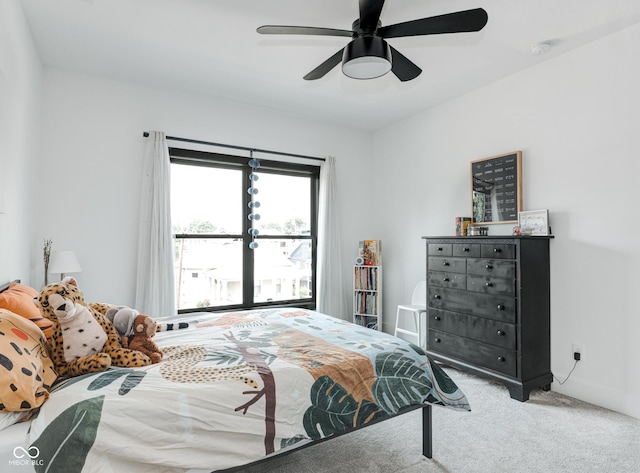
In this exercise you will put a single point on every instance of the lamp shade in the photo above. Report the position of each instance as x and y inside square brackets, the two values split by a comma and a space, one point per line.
[366, 57]
[64, 261]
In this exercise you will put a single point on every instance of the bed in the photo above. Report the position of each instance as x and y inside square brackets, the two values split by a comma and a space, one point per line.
[233, 388]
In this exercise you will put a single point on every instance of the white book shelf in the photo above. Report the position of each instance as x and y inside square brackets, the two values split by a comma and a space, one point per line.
[367, 296]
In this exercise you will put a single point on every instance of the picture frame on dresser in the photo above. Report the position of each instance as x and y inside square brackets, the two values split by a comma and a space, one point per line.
[496, 188]
[534, 222]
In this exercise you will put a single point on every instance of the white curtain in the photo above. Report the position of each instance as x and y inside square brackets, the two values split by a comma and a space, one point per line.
[330, 298]
[155, 290]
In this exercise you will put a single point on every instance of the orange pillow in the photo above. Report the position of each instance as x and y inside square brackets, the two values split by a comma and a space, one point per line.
[19, 300]
[25, 367]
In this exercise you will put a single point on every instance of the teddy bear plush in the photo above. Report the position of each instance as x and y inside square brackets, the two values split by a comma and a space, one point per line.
[59, 302]
[123, 317]
[144, 327]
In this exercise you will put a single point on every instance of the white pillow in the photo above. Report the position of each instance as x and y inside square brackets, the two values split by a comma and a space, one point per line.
[7, 419]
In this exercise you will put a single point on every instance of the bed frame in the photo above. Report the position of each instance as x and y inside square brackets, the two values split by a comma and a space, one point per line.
[427, 445]
[5, 286]
[427, 430]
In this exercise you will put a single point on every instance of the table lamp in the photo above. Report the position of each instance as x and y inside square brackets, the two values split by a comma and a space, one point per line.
[64, 261]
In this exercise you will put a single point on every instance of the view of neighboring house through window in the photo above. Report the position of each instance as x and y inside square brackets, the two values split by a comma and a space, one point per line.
[214, 266]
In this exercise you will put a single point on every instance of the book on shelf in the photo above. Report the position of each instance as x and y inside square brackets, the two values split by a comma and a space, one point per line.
[371, 252]
[366, 303]
[366, 279]
[462, 223]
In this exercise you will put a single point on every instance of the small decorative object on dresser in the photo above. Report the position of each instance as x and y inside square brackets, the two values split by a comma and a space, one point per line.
[462, 223]
[478, 230]
[488, 308]
[534, 222]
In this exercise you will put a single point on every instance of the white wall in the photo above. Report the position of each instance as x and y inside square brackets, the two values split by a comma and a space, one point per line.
[91, 166]
[575, 119]
[20, 76]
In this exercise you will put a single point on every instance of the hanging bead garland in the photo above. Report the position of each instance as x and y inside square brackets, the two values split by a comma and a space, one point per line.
[253, 216]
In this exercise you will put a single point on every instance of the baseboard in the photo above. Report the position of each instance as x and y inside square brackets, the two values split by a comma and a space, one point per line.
[600, 395]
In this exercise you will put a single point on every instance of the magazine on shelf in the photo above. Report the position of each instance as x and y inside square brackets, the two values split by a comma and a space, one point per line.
[371, 252]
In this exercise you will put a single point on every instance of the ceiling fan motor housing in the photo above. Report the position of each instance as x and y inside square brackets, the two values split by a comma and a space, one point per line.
[366, 57]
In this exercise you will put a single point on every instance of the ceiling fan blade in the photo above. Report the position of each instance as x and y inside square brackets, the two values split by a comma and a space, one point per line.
[458, 22]
[325, 67]
[306, 30]
[370, 11]
[402, 67]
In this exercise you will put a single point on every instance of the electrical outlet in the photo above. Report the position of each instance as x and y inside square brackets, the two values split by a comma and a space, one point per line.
[577, 348]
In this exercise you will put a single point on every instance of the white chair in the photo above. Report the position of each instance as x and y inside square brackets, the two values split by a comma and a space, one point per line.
[416, 308]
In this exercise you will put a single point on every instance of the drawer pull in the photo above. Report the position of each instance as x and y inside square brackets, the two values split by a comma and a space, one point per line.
[466, 250]
[437, 296]
[437, 340]
[437, 317]
[502, 359]
[446, 263]
[497, 250]
[440, 248]
[446, 279]
[489, 266]
[501, 307]
[501, 333]
[489, 284]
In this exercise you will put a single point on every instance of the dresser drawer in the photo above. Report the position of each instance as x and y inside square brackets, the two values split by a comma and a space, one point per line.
[491, 267]
[492, 357]
[442, 249]
[497, 307]
[454, 280]
[484, 330]
[471, 250]
[449, 265]
[498, 250]
[491, 285]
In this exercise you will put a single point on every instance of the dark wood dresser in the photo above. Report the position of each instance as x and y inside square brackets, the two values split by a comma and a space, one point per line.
[488, 308]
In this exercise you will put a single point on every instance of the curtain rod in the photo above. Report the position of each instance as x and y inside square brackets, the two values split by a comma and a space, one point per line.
[244, 148]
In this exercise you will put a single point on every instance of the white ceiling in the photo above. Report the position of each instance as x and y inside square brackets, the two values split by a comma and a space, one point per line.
[211, 47]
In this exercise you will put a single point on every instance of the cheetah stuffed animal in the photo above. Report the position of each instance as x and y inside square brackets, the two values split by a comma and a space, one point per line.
[82, 335]
[66, 292]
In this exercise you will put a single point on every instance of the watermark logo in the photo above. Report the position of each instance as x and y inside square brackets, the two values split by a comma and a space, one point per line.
[20, 452]
[26, 456]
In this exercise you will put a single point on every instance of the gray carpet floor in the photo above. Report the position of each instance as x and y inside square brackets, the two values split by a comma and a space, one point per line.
[548, 433]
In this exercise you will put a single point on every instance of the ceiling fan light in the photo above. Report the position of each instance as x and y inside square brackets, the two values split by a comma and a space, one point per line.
[366, 57]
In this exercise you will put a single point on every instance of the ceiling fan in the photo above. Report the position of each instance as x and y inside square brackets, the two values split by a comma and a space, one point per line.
[368, 55]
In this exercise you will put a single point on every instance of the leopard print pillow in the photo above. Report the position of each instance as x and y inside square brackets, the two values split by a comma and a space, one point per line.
[25, 367]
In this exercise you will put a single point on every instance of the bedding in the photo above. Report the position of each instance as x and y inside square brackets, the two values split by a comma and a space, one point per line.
[231, 389]
[14, 449]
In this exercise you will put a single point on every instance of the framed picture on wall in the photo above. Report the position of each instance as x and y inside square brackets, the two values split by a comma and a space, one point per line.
[534, 222]
[496, 188]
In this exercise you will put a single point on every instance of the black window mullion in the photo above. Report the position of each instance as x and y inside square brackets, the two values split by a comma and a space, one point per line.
[315, 188]
[247, 254]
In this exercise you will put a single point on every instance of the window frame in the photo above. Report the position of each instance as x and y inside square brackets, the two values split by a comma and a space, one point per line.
[226, 161]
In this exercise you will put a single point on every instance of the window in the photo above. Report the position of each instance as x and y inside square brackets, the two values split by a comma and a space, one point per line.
[214, 266]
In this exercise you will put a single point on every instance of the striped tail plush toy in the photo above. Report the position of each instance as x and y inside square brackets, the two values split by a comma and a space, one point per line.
[172, 326]
[123, 318]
